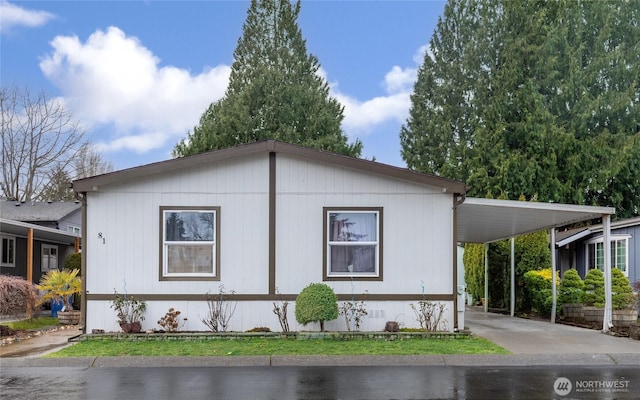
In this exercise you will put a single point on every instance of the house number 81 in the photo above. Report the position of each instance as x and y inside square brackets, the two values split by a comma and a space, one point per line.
[104, 240]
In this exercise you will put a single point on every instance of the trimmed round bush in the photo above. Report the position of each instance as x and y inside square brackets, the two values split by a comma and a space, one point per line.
[621, 292]
[316, 303]
[538, 288]
[570, 288]
[593, 290]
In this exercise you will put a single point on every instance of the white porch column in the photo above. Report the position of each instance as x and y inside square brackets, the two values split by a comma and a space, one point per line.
[606, 237]
[513, 277]
[486, 277]
[554, 284]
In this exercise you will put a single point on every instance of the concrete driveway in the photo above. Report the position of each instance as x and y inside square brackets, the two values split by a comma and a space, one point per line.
[525, 336]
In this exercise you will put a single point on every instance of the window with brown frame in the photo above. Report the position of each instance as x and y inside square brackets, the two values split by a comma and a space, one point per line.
[353, 243]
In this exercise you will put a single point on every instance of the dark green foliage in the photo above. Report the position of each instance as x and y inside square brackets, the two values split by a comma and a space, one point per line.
[316, 303]
[538, 99]
[593, 290]
[621, 292]
[274, 91]
[73, 261]
[570, 289]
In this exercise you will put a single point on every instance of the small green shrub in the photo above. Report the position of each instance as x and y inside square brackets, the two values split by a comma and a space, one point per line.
[538, 287]
[316, 303]
[570, 289]
[73, 261]
[593, 290]
[259, 329]
[621, 292]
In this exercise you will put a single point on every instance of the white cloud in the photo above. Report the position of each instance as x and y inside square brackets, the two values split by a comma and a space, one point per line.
[362, 117]
[11, 15]
[112, 79]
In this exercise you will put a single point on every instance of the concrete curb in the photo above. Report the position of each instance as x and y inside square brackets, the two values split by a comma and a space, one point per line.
[458, 360]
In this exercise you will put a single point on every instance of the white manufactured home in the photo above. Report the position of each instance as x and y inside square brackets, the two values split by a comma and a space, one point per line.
[266, 219]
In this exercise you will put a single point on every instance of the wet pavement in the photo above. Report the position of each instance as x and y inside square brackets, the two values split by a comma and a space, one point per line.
[547, 361]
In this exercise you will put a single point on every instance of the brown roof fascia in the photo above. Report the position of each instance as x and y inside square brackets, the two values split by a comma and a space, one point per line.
[93, 183]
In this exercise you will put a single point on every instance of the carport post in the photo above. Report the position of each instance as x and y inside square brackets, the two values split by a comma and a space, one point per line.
[513, 277]
[486, 277]
[606, 238]
[552, 243]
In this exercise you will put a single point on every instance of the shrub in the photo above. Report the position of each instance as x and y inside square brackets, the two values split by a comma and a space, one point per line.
[538, 288]
[60, 286]
[316, 303]
[73, 261]
[129, 309]
[593, 290]
[170, 322]
[570, 289]
[17, 296]
[621, 292]
[221, 309]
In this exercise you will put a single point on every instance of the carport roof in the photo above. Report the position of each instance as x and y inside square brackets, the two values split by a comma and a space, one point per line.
[42, 233]
[490, 220]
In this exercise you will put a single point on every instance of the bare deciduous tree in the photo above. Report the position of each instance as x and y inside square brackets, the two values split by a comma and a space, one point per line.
[39, 139]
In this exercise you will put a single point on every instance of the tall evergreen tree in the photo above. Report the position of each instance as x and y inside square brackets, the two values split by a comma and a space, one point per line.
[532, 98]
[275, 91]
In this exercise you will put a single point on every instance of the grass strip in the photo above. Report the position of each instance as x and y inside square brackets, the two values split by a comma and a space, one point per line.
[279, 346]
[32, 324]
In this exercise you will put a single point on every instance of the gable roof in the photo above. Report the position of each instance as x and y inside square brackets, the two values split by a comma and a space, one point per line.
[37, 211]
[269, 146]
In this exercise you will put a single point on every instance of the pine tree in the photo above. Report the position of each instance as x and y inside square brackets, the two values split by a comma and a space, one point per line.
[275, 91]
[532, 98]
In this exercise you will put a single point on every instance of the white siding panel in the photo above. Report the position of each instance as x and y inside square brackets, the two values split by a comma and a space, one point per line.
[126, 256]
[417, 223]
[249, 315]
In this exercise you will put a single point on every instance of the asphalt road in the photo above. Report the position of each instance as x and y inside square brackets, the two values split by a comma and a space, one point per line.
[327, 382]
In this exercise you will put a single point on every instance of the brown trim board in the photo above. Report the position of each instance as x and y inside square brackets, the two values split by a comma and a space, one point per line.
[275, 297]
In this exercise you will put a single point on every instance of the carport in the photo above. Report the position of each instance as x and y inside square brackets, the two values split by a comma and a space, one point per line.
[484, 221]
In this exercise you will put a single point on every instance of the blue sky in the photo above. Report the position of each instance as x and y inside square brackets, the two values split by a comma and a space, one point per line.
[138, 75]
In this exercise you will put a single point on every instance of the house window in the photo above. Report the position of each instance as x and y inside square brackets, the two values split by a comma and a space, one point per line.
[73, 229]
[619, 255]
[189, 242]
[8, 251]
[353, 242]
[49, 257]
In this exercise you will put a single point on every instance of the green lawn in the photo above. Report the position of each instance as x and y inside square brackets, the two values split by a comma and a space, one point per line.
[33, 323]
[279, 346]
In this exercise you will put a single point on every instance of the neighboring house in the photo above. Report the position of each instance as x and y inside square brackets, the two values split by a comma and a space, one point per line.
[48, 247]
[582, 248]
[54, 229]
[62, 215]
[265, 220]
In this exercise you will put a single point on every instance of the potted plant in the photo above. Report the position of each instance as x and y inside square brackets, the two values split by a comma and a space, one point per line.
[130, 311]
[60, 286]
[570, 295]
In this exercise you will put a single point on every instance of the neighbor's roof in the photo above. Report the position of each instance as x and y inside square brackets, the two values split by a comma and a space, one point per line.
[489, 220]
[37, 211]
[588, 230]
[269, 146]
[41, 233]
